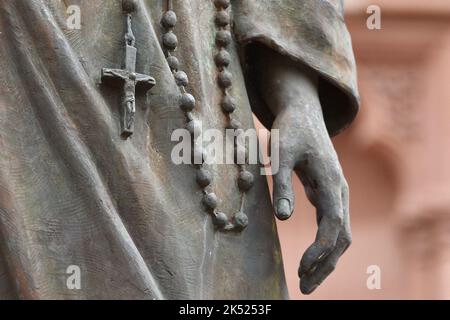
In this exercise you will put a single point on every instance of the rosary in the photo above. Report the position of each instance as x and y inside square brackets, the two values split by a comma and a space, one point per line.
[132, 81]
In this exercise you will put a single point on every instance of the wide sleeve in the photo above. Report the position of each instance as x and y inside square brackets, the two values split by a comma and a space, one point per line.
[310, 32]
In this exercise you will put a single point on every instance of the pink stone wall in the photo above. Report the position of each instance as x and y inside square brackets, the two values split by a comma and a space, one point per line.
[396, 157]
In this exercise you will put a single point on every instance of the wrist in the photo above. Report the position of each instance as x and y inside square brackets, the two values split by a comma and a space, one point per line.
[285, 84]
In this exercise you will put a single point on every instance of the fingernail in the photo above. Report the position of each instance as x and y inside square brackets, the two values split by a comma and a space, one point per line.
[283, 209]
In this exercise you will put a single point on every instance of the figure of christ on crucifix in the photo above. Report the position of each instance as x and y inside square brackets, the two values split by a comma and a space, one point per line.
[130, 81]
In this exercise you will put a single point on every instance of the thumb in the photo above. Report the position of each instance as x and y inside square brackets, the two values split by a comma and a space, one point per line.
[283, 195]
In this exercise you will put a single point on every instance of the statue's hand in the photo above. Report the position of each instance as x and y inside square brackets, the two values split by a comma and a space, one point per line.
[306, 149]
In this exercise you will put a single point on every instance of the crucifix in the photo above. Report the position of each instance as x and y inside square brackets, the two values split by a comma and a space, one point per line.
[128, 80]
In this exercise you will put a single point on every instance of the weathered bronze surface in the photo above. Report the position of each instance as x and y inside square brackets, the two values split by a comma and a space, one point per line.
[73, 192]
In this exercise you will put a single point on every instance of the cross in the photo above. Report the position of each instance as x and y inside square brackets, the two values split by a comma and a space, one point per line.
[130, 81]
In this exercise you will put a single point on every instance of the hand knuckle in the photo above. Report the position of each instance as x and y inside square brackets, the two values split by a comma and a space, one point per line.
[347, 239]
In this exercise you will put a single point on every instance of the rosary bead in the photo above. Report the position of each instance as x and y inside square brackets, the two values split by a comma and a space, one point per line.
[223, 58]
[169, 19]
[223, 38]
[240, 154]
[225, 79]
[220, 220]
[173, 62]
[129, 6]
[181, 78]
[228, 105]
[234, 124]
[222, 18]
[170, 40]
[246, 180]
[203, 178]
[210, 200]
[222, 4]
[187, 102]
[194, 127]
[240, 134]
[241, 220]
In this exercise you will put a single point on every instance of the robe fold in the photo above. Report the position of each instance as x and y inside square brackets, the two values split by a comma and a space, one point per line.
[73, 194]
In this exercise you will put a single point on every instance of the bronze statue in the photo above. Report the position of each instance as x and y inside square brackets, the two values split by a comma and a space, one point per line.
[86, 177]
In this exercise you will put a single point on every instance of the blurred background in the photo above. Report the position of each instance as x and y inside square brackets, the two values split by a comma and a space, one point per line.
[396, 157]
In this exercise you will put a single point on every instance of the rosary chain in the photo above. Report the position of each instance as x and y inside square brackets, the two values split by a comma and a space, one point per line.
[228, 105]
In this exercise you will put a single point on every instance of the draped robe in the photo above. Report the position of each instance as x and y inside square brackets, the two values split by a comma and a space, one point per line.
[73, 193]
